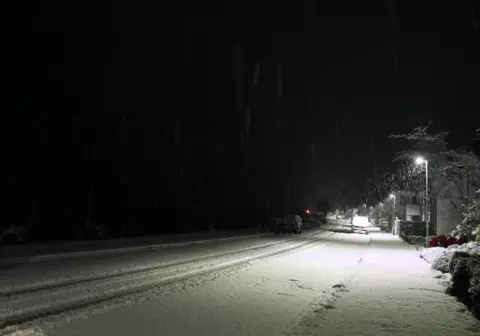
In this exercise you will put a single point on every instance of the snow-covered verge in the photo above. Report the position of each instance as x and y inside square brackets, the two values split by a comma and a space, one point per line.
[49, 298]
[39, 252]
[463, 262]
[341, 287]
[16, 331]
[337, 228]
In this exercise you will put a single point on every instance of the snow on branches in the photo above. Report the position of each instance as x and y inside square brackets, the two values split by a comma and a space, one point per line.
[470, 225]
[460, 166]
[420, 142]
[443, 163]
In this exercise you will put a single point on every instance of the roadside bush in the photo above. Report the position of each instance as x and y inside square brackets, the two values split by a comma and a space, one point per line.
[442, 262]
[463, 262]
[465, 269]
[13, 234]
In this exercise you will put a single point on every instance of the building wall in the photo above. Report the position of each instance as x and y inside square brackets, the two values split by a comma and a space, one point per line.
[448, 208]
[448, 216]
[413, 210]
[402, 199]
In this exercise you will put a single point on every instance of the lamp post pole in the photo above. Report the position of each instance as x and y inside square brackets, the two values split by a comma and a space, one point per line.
[420, 160]
[394, 217]
[427, 224]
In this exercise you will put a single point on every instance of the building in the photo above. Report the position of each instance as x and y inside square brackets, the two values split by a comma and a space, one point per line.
[405, 200]
[447, 203]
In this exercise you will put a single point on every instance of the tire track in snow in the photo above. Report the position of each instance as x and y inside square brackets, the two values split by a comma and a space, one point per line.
[96, 294]
[328, 300]
[46, 285]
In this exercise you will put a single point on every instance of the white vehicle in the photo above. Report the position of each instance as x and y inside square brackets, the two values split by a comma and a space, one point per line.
[361, 223]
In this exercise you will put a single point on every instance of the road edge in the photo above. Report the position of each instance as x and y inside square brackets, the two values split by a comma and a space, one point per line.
[39, 312]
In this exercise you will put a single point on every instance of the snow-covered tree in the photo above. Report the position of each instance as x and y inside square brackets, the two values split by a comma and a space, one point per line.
[470, 225]
[444, 164]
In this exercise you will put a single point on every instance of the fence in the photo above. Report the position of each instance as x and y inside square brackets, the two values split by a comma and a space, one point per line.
[414, 233]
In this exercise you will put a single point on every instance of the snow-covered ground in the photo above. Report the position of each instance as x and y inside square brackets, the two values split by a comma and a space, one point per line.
[461, 267]
[94, 265]
[440, 257]
[351, 284]
[36, 251]
[393, 292]
[28, 294]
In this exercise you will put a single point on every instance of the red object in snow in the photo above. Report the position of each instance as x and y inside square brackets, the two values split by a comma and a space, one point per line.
[444, 241]
[437, 241]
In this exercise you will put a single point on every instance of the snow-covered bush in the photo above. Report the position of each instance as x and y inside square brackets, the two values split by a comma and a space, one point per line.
[442, 263]
[416, 240]
[438, 257]
[210, 226]
[430, 254]
[463, 262]
[465, 269]
[475, 290]
[95, 231]
[470, 225]
[471, 248]
[12, 234]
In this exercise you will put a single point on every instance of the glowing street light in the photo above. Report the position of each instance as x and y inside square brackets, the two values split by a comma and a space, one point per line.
[420, 160]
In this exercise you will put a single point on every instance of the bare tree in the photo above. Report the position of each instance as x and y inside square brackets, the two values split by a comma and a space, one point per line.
[460, 166]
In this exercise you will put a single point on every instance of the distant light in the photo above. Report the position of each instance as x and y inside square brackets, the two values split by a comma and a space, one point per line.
[307, 212]
[392, 196]
[419, 160]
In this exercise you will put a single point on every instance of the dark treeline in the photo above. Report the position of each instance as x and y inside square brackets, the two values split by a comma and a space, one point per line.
[142, 120]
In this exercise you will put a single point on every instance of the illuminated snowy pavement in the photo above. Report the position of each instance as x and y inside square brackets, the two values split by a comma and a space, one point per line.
[347, 285]
[393, 292]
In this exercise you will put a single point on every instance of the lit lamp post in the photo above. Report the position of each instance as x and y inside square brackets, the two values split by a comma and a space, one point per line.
[419, 161]
[392, 196]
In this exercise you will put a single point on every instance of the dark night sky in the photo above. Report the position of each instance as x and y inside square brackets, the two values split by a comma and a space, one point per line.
[352, 74]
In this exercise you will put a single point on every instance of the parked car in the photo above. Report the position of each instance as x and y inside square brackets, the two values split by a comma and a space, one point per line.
[361, 223]
[384, 226]
[290, 223]
[313, 217]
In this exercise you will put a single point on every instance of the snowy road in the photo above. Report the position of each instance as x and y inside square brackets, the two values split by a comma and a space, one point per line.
[94, 265]
[341, 285]
[38, 289]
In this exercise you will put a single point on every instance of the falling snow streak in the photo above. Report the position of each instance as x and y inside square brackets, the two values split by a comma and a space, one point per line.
[188, 39]
[239, 60]
[256, 74]
[279, 81]
[392, 15]
[176, 133]
[472, 17]
[394, 28]
[247, 123]
[279, 90]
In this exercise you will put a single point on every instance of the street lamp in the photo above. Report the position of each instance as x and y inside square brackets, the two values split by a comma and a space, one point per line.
[419, 160]
[392, 196]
